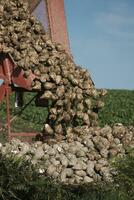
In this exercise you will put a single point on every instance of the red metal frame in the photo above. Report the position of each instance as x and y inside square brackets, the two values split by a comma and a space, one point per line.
[57, 23]
[11, 75]
[55, 20]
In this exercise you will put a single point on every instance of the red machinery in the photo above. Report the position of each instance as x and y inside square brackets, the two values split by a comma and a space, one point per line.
[11, 75]
[52, 15]
[13, 79]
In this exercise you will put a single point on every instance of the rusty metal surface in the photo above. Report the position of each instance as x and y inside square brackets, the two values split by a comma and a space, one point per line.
[12, 75]
[2, 92]
[33, 4]
[57, 21]
[19, 80]
[52, 15]
[6, 68]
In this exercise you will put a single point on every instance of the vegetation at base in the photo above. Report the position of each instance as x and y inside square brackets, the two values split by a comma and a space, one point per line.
[119, 108]
[124, 178]
[20, 180]
[32, 117]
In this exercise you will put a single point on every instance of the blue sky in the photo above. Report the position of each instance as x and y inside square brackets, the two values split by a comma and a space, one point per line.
[101, 34]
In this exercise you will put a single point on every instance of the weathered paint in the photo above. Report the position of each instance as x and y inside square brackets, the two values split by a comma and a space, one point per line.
[57, 20]
[52, 15]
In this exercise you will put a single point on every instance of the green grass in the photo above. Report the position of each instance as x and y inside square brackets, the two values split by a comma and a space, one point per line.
[30, 120]
[119, 107]
[19, 180]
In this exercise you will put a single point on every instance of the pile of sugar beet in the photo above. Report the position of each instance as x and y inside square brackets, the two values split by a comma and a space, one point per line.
[66, 88]
[81, 150]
